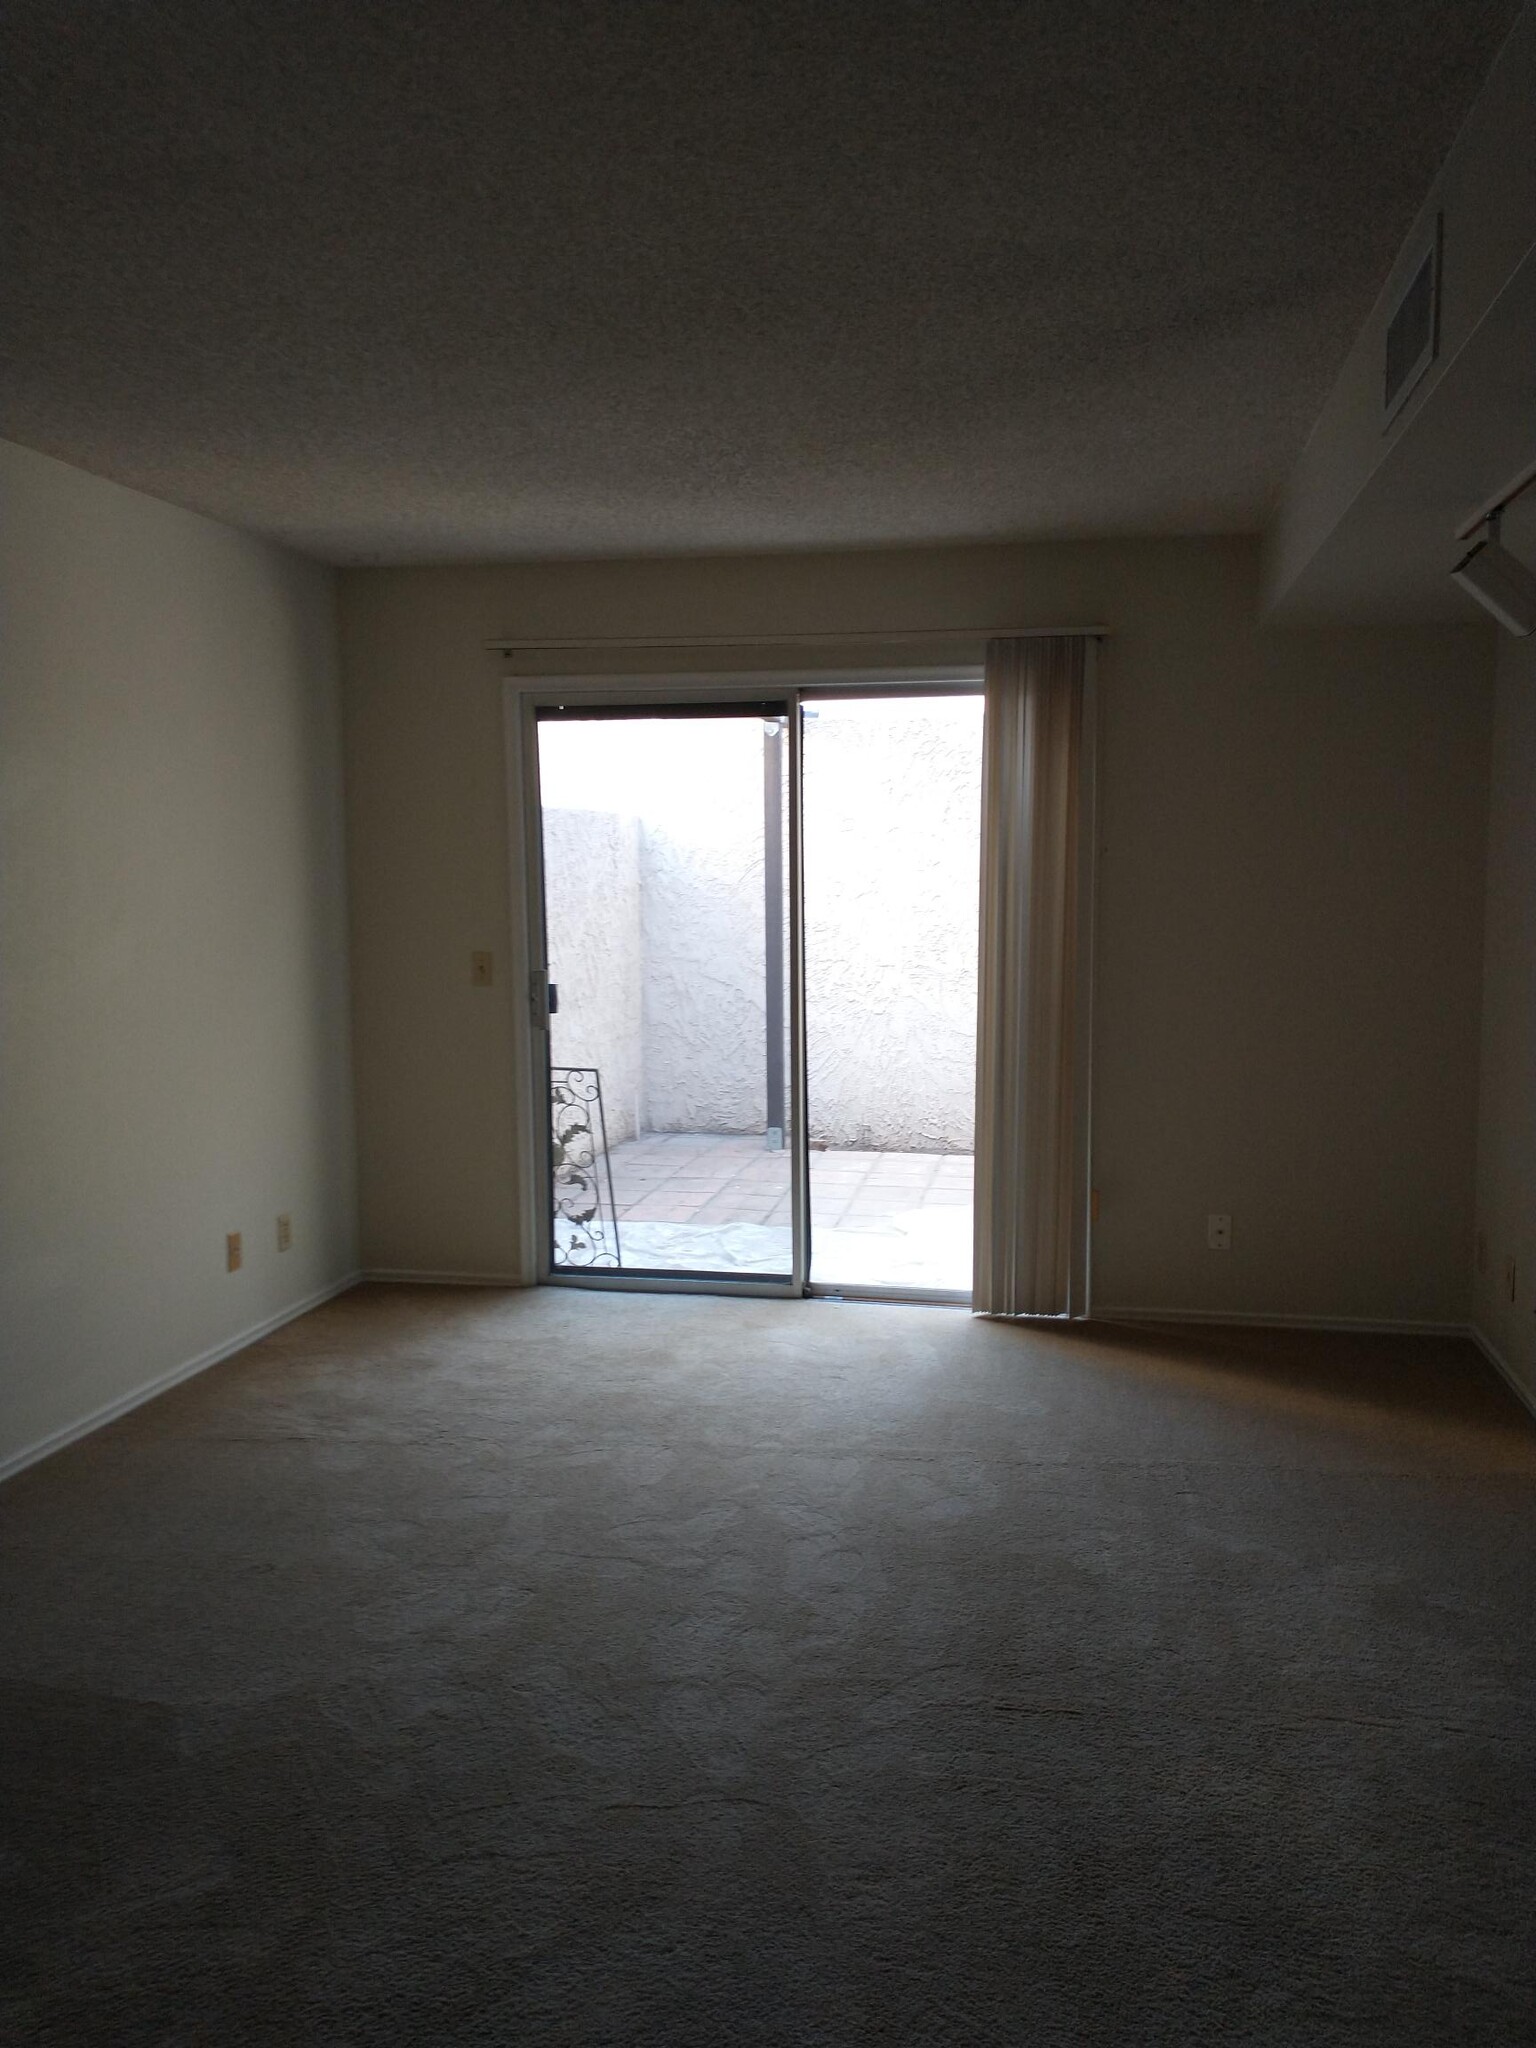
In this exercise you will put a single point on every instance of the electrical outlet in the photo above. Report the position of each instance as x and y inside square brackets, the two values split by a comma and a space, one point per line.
[284, 1233]
[1218, 1233]
[481, 969]
[234, 1257]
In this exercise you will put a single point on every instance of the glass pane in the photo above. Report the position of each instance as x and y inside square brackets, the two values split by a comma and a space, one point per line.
[892, 880]
[665, 916]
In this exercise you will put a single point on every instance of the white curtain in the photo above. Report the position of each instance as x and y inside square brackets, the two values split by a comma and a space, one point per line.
[1031, 1206]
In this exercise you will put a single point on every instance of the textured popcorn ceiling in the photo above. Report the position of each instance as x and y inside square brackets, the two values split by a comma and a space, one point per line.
[461, 280]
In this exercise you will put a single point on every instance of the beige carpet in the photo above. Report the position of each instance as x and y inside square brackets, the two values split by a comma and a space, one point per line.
[481, 1667]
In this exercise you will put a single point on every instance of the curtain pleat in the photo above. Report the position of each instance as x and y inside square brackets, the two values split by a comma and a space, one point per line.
[1026, 1167]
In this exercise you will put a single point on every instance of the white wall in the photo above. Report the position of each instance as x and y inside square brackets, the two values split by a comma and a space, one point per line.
[892, 887]
[658, 952]
[1506, 1154]
[592, 913]
[174, 1059]
[1290, 902]
[654, 918]
[701, 903]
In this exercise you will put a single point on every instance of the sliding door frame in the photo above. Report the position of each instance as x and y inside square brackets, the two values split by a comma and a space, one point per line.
[524, 697]
[632, 697]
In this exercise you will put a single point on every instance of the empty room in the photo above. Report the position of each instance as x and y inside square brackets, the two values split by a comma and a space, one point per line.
[768, 1023]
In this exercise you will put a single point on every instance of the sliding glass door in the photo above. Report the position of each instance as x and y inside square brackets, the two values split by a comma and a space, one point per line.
[757, 1012]
[667, 843]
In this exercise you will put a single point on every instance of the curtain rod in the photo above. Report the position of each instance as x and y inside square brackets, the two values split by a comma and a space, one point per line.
[544, 645]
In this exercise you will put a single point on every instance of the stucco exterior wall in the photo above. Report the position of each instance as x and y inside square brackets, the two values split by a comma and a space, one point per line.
[702, 929]
[592, 904]
[654, 904]
[892, 881]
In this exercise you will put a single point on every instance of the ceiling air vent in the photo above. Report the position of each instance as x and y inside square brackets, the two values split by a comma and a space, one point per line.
[1413, 332]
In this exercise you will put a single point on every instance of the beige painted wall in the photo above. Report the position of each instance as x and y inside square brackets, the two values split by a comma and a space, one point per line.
[1289, 967]
[174, 1058]
[1506, 1160]
[1290, 902]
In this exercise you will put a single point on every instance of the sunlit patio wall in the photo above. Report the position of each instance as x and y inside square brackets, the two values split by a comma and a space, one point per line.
[654, 898]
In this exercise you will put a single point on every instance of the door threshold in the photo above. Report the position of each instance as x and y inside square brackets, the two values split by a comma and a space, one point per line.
[917, 1297]
[753, 1286]
[675, 1283]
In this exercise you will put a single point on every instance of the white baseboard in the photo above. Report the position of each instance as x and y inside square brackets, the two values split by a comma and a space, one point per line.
[1360, 1325]
[189, 1368]
[1504, 1369]
[163, 1382]
[399, 1276]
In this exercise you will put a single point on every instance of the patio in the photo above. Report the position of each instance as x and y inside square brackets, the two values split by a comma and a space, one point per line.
[722, 1204]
